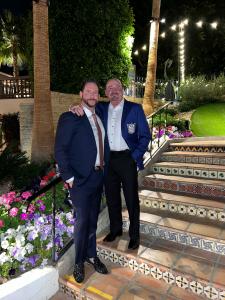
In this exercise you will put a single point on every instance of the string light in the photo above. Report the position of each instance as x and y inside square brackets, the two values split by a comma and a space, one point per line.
[163, 20]
[144, 47]
[174, 27]
[136, 52]
[214, 25]
[199, 24]
[163, 35]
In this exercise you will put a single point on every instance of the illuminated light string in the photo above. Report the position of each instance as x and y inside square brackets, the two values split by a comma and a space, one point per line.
[180, 27]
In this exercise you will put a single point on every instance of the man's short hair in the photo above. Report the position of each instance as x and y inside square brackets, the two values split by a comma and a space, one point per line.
[88, 81]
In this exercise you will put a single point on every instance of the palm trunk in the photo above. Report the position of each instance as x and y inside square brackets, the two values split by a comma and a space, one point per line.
[15, 64]
[43, 133]
[148, 102]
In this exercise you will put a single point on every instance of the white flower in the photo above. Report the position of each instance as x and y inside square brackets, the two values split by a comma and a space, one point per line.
[20, 240]
[20, 254]
[44, 263]
[4, 244]
[29, 247]
[11, 232]
[4, 258]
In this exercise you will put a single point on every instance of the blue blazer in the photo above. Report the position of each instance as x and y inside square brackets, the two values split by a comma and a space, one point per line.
[134, 127]
[75, 147]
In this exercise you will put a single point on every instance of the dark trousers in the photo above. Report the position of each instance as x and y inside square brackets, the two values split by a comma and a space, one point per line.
[86, 200]
[122, 169]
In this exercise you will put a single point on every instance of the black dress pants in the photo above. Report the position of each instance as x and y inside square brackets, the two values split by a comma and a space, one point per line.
[122, 169]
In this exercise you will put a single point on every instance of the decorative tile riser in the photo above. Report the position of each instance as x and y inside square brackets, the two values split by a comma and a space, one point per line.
[71, 292]
[194, 159]
[183, 209]
[198, 149]
[188, 172]
[158, 272]
[180, 237]
[184, 188]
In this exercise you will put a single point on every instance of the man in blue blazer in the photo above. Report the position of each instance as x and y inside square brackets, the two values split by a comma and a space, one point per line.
[81, 151]
[128, 135]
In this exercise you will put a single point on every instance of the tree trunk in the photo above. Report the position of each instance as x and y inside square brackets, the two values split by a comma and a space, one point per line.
[15, 64]
[148, 102]
[43, 132]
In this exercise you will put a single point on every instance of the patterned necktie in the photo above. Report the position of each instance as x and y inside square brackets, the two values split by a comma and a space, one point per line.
[100, 142]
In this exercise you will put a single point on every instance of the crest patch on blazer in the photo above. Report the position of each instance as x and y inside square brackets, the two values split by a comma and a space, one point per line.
[131, 128]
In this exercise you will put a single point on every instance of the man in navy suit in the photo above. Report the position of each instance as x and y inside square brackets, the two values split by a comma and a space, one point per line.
[128, 135]
[81, 150]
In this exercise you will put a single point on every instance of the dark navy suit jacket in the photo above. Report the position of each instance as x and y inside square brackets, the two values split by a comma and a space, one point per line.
[75, 147]
[134, 127]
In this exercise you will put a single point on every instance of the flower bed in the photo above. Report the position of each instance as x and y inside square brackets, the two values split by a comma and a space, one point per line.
[26, 229]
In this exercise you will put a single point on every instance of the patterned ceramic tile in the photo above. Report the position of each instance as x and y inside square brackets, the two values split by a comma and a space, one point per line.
[201, 160]
[221, 216]
[182, 171]
[197, 173]
[196, 287]
[211, 292]
[205, 174]
[221, 175]
[190, 172]
[201, 212]
[212, 174]
[182, 282]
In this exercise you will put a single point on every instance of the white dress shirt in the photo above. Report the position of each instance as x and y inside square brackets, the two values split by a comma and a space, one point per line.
[95, 132]
[116, 141]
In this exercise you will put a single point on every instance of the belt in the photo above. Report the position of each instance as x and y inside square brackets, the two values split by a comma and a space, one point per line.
[120, 152]
[97, 168]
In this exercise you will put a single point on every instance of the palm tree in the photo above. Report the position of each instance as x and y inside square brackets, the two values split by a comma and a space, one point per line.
[43, 133]
[148, 102]
[11, 52]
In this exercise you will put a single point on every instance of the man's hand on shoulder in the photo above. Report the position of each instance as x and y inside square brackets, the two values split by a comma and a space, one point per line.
[77, 110]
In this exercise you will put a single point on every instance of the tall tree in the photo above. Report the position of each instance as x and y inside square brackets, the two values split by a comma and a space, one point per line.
[11, 50]
[43, 133]
[89, 39]
[148, 102]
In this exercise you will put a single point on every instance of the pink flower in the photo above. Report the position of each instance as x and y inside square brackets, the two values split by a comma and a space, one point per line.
[31, 208]
[1, 223]
[26, 195]
[13, 212]
[43, 183]
[23, 216]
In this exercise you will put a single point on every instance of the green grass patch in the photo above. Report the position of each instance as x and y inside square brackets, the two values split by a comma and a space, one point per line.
[209, 120]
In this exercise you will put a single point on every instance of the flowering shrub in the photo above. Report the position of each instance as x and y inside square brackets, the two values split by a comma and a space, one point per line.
[170, 132]
[26, 228]
[30, 245]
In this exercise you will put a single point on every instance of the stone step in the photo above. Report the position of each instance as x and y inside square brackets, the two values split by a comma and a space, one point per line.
[200, 146]
[184, 269]
[189, 170]
[196, 158]
[207, 188]
[201, 236]
[205, 209]
[122, 283]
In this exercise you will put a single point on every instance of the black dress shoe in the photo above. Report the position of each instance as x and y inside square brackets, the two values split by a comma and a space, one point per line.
[78, 272]
[134, 244]
[98, 265]
[111, 236]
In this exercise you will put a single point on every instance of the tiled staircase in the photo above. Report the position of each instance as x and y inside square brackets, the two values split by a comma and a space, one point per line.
[182, 252]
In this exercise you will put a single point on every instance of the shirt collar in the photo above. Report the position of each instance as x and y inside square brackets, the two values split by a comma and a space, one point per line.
[88, 112]
[118, 107]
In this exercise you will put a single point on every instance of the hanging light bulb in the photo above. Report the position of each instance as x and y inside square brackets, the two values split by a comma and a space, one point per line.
[199, 24]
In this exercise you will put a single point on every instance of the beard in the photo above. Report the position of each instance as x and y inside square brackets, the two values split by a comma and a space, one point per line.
[88, 102]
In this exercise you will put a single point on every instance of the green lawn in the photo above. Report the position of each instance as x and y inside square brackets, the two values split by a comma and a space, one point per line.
[209, 120]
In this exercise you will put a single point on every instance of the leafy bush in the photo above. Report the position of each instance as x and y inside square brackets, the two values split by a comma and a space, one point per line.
[197, 91]
[17, 168]
[170, 120]
[11, 130]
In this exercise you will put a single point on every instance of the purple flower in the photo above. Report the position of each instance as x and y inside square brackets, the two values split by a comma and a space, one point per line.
[33, 259]
[42, 207]
[23, 216]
